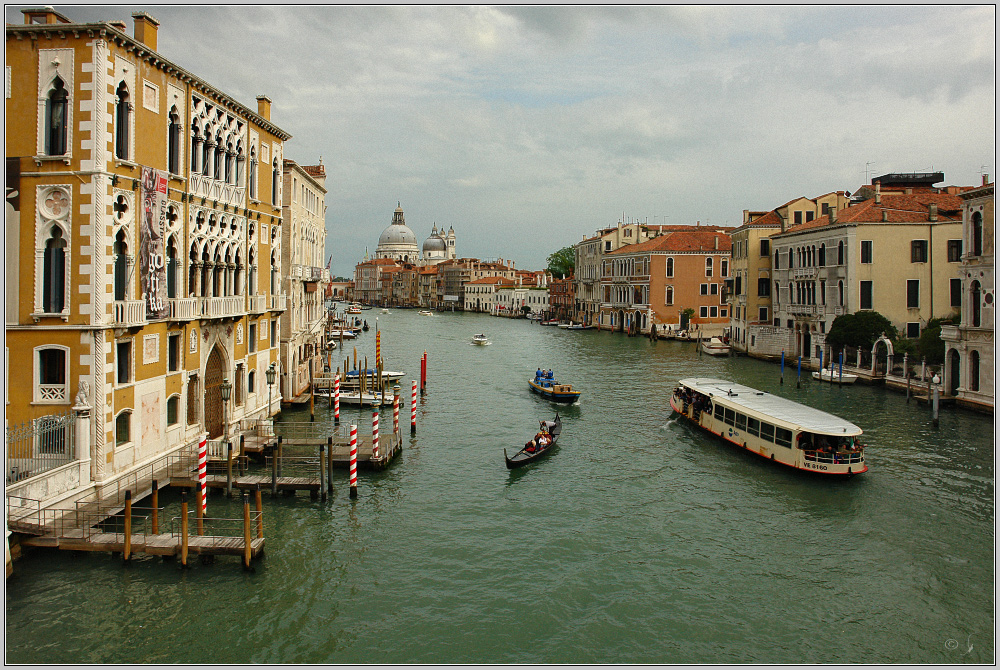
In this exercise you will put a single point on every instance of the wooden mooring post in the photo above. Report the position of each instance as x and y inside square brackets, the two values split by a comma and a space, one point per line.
[156, 510]
[127, 550]
[184, 528]
[199, 511]
[247, 538]
[322, 472]
[241, 459]
[329, 461]
[229, 469]
[312, 394]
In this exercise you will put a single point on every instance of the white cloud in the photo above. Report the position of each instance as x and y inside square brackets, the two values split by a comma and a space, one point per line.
[527, 127]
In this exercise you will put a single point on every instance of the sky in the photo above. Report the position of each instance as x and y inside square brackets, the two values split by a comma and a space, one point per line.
[528, 128]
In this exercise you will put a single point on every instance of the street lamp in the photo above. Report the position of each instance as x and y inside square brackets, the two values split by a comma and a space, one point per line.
[270, 381]
[936, 380]
[227, 390]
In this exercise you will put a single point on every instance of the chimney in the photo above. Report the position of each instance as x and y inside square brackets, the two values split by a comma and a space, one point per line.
[878, 192]
[986, 179]
[119, 25]
[784, 222]
[145, 29]
[909, 190]
[264, 106]
[885, 216]
[833, 216]
[933, 211]
[746, 216]
[716, 242]
[697, 224]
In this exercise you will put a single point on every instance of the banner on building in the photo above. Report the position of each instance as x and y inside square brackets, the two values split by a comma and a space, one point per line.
[152, 233]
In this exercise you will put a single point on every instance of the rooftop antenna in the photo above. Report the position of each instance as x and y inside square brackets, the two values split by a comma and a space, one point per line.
[867, 171]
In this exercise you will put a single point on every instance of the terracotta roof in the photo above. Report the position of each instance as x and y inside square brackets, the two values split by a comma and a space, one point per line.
[692, 239]
[770, 220]
[898, 208]
[492, 280]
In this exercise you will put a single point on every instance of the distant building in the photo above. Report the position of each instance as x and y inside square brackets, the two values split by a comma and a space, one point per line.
[397, 242]
[970, 372]
[440, 246]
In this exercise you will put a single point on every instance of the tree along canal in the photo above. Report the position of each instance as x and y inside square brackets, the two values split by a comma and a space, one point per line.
[639, 540]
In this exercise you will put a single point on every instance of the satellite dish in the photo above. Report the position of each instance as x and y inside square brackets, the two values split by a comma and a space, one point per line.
[847, 194]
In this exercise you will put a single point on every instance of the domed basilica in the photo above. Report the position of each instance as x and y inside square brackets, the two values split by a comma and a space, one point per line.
[399, 243]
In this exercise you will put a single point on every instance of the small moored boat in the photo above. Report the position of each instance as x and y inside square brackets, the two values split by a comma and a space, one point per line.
[770, 426]
[545, 385]
[354, 397]
[371, 372]
[538, 446]
[715, 347]
[354, 309]
[480, 339]
[575, 326]
[550, 322]
[835, 376]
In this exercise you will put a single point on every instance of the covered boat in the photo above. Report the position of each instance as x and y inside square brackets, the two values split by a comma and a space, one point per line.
[770, 426]
[540, 445]
[715, 347]
[370, 373]
[480, 339]
[835, 376]
[545, 385]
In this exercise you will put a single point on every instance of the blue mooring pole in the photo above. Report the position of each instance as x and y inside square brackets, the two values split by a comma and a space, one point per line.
[841, 366]
[821, 368]
[798, 382]
[781, 380]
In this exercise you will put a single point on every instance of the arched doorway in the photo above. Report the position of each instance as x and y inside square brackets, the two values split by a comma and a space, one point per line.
[954, 371]
[806, 345]
[621, 321]
[213, 393]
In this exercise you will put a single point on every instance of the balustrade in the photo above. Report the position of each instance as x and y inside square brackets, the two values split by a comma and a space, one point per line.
[129, 313]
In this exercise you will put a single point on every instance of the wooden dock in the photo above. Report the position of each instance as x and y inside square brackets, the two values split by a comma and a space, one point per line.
[164, 544]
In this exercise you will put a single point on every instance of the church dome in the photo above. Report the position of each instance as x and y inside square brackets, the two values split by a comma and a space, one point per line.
[397, 233]
[434, 243]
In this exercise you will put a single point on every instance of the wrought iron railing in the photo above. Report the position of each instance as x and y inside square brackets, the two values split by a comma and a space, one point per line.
[40, 445]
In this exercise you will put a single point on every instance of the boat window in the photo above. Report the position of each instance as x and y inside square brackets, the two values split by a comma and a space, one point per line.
[719, 412]
[783, 437]
[766, 432]
[730, 417]
[753, 426]
[741, 421]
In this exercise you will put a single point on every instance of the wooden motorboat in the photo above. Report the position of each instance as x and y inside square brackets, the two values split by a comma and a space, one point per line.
[715, 347]
[480, 339]
[550, 322]
[835, 376]
[346, 333]
[548, 435]
[575, 326]
[547, 387]
[349, 397]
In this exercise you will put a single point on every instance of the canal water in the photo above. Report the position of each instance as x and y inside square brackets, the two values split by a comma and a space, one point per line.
[639, 540]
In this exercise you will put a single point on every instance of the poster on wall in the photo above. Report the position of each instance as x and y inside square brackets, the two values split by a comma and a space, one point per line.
[151, 243]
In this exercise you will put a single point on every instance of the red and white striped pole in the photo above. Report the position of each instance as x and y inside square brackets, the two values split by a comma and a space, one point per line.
[354, 460]
[374, 436]
[395, 410]
[202, 471]
[423, 374]
[413, 409]
[336, 400]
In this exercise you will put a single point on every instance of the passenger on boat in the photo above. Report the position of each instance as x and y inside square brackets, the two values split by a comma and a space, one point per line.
[548, 375]
[538, 373]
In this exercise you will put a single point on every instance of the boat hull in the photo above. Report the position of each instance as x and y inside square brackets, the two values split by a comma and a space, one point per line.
[706, 422]
[554, 396]
[522, 457]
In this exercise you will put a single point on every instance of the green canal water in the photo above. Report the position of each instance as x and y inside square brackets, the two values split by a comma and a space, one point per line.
[640, 540]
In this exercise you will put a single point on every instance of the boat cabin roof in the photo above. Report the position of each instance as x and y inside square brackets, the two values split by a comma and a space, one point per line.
[782, 410]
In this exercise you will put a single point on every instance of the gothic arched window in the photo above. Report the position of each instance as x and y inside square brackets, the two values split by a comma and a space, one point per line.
[977, 234]
[274, 182]
[123, 115]
[195, 147]
[121, 265]
[174, 142]
[219, 152]
[54, 273]
[56, 109]
[253, 173]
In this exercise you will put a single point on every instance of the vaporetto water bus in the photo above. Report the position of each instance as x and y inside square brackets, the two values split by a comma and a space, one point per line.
[771, 426]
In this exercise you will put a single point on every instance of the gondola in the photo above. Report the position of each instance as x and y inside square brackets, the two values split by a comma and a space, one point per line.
[365, 327]
[523, 457]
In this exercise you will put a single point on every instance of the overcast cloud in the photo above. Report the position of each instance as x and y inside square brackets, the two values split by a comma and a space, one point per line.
[527, 128]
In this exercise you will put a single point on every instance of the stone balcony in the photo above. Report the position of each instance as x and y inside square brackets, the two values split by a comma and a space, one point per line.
[128, 313]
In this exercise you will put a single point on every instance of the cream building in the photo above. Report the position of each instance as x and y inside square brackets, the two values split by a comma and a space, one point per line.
[750, 288]
[970, 372]
[303, 245]
[895, 253]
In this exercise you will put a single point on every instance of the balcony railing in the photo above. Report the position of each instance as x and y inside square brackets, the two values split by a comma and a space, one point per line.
[804, 310]
[183, 308]
[256, 304]
[128, 313]
[230, 305]
[804, 273]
